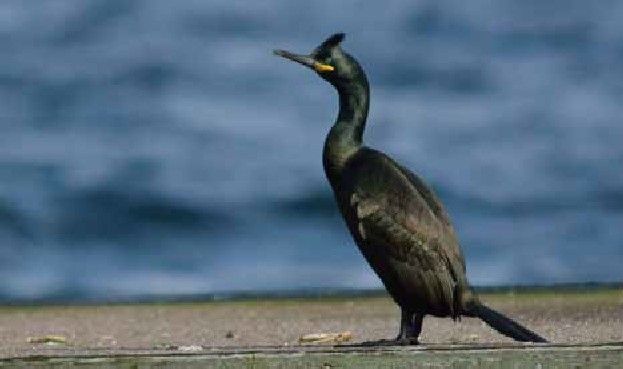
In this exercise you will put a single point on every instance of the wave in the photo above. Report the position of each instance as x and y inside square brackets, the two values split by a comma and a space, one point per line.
[111, 213]
[13, 221]
[312, 203]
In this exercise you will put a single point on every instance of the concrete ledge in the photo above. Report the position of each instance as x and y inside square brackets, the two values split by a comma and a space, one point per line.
[594, 355]
[586, 329]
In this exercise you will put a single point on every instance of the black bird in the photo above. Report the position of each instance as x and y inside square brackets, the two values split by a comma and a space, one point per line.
[399, 224]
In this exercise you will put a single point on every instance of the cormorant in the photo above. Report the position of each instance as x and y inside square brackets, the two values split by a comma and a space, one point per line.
[398, 222]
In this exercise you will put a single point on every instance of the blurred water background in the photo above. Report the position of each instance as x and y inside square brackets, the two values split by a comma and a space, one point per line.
[157, 147]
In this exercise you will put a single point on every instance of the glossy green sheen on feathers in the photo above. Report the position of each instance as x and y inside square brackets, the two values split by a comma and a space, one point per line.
[399, 224]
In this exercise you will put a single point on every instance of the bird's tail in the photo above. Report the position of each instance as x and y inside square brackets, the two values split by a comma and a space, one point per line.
[504, 325]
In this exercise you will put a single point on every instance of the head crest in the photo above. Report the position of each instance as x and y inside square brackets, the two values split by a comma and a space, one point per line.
[332, 41]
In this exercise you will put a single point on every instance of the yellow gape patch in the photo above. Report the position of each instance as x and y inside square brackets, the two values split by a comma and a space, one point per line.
[319, 67]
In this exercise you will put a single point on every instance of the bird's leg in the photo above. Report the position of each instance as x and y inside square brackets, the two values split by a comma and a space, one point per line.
[410, 328]
[405, 324]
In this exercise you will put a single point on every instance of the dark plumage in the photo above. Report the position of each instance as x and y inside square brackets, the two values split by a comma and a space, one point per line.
[396, 220]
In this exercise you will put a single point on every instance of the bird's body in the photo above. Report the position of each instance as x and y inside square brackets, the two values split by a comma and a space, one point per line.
[399, 224]
[404, 233]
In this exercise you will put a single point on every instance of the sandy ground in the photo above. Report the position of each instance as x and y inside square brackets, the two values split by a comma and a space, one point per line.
[593, 317]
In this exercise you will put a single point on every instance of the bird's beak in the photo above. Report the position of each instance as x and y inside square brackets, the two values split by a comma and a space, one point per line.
[305, 60]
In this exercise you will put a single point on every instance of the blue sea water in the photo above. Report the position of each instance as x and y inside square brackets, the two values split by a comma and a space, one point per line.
[157, 147]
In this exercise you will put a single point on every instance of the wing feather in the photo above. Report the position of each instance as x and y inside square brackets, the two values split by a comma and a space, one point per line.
[406, 236]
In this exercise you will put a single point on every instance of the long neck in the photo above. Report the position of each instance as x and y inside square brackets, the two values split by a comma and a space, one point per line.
[345, 137]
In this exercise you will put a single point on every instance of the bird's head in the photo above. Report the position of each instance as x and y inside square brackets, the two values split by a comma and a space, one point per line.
[330, 62]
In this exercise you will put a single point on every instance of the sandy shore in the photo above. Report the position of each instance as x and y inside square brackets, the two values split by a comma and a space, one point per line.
[588, 317]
